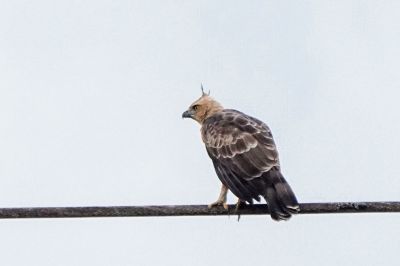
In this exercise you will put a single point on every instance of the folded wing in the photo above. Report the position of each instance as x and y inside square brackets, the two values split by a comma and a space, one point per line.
[242, 150]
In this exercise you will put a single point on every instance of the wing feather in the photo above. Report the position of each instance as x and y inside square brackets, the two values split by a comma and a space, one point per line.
[242, 149]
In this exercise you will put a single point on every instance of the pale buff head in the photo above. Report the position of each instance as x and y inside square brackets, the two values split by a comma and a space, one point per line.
[202, 108]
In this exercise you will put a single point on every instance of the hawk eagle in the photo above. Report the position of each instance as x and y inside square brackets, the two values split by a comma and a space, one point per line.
[244, 155]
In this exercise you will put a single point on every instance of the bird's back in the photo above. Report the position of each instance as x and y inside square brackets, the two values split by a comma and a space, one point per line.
[246, 160]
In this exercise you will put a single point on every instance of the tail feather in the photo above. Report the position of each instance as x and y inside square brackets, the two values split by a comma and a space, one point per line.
[277, 212]
[280, 197]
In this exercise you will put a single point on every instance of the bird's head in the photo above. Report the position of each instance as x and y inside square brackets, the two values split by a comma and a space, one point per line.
[202, 108]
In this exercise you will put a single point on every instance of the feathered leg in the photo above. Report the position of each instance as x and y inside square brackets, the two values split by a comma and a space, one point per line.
[221, 201]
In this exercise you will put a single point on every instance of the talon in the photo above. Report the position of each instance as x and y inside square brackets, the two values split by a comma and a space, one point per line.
[218, 203]
[239, 204]
[221, 201]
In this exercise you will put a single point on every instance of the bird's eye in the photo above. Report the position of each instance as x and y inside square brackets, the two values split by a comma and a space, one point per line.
[195, 107]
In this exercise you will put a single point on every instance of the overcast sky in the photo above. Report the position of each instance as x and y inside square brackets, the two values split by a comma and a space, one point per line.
[91, 97]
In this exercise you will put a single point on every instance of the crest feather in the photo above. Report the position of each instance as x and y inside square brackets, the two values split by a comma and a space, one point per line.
[202, 91]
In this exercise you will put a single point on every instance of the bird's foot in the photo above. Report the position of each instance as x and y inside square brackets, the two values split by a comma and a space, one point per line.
[238, 205]
[219, 202]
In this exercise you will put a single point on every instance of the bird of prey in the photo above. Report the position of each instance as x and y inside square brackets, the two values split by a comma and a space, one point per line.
[245, 157]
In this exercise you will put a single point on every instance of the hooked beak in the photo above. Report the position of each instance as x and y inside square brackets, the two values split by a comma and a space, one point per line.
[188, 114]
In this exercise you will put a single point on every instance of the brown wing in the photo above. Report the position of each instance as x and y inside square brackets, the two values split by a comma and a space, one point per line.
[241, 148]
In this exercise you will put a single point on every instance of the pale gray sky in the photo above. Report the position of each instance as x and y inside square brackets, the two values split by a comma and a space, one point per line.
[91, 96]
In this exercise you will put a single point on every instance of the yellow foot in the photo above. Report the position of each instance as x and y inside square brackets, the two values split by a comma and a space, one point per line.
[218, 203]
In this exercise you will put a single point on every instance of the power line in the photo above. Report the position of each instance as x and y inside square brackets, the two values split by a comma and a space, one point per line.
[191, 210]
